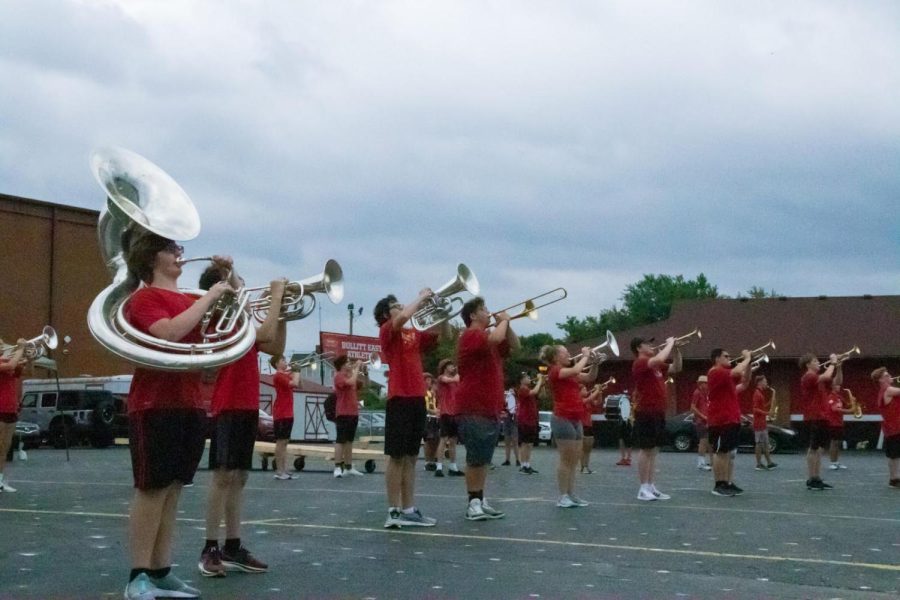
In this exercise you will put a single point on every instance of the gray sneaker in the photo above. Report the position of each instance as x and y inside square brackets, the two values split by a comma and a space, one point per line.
[415, 519]
[578, 501]
[393, 519]
[173, 587]
[141, 588]
[490, 511]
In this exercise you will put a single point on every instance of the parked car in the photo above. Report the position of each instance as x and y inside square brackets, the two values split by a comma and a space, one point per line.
[98, 416]
[27, 433]
[682, 435]
[544, 435]
[265, 428]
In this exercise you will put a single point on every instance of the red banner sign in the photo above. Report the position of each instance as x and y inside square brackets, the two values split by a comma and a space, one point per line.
[354, 346]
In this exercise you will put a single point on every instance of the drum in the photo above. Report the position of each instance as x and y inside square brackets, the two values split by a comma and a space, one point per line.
[617, 407]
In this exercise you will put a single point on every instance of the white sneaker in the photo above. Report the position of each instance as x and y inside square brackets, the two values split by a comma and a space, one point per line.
[659, 495]
[5, 487]
[491, 512]
[281, 476]
[578, 501]
[646, 494]
[565, 502]
[841, 466]
[338, 472]
[706, 467]
[834, 466]
[474, 511]
[353, 471]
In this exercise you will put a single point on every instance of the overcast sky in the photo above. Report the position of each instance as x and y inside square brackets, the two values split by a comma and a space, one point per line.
[544, 144]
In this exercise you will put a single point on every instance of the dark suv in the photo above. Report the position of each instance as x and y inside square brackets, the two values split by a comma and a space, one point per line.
[94, 415]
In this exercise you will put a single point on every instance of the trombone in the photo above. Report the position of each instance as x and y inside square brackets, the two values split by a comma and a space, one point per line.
[443, 305]
[840, 357]
[529, 307]
[596, 356]
[373, 362]
[312, 361]
[35, 347]
[682, 340]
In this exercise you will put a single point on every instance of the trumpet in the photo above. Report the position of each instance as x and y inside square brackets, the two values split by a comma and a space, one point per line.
[840, 358]
[529, 307]
[607, 383]
[597, 357]
[756, 363]
[757, 355]
[855, 406]
[682, 340]
[443, 305]
[35, 347]
[311, 360]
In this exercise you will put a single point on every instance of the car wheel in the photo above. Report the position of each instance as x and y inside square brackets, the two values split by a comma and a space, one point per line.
[683, 442]
[370, 466]
[58, 435]
[774, 444]
[299, 463]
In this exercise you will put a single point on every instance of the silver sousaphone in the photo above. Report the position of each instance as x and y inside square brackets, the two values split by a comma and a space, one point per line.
[140, 193]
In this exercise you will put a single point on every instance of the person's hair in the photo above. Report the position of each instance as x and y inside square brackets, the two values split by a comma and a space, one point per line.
[469, 309]
[273, 360]
[340, 361]
[716, 353]
[140, 248]
[806, 359]
[548, 354]
[522, 376]
[442, 366]
[211, 276]
[427, 375]
[878, 373]
[382, 311]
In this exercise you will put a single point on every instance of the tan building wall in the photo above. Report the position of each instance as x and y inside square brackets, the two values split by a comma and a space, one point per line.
[51, 271]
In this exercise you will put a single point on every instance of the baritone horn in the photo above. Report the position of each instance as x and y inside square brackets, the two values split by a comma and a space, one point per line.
[443, 305]
[35, 347]
[596, 356]
[683, 340]
[530, 306]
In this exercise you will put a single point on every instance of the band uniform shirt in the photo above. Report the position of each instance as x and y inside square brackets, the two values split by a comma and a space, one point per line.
[815, 404]
[724, 406]
[283, 407]
[760, 402]
[649, 386]
[835, 410]
[401, 351]
[527, 407]
[9, 390]
[237, 384]
[347, 404]
[567, 402]
[701, 401]
[890, 414]
[480, 365]
[151, 388]
[446, 398]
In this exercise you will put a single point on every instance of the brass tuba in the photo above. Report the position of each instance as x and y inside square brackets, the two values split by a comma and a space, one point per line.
[141, 194]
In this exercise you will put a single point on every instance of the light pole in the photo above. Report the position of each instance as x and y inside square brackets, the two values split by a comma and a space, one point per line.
[353, 313]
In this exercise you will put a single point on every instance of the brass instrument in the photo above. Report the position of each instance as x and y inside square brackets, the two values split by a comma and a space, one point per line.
[840, 357]
[895, 379]
[607, 383]
[682, 340]
[773, 407]
[35, 347]
[597, 357]
[529, 308]
[443, 305]
[140, 194]
[757, 354]
[855, 406]
[759, 361]
[311, 361]
[373, 362]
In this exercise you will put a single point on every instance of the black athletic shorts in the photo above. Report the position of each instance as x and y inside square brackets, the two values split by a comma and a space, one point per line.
[626, 432]
[650, 430]
[282, 428]
[404, 426]
[449, 426]
[724, 438]
[835, 433]
[528, 434]
[892, 446]
[432, 428]
[346, 428]
[232, 439]
[166, 446]
[819, 434]
[9, 417]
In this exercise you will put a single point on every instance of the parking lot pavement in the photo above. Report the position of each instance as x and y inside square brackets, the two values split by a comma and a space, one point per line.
[63, 534]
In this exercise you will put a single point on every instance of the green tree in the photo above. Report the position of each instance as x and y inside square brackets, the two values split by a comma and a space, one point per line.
[760, 292]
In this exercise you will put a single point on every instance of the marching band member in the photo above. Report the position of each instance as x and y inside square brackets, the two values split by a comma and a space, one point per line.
[649, 372]
[527, 409]
[480, 397]
[889, 405]
[432, 438]
[761, 409]
[625, 432]
[347, 381]
[165, 414]
[285, 381]
[401, 348]
[699, 408]
[235, 412]
[591, 400]
[448, 381]
[835, 413]
[565, 423]
[724, 416]
[10, 371]
[813, 392]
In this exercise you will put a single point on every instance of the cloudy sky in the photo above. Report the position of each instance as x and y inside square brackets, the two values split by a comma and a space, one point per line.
[544, 144]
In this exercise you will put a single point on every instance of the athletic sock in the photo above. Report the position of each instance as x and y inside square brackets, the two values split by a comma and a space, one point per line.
[409, 511]
[439, 467]
[210, 544]
[159, 573]
[136, 572]
[232, 545]
[453, 467]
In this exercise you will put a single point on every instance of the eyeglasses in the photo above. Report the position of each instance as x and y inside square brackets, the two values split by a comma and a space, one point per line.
[174, 248]
[726, 356]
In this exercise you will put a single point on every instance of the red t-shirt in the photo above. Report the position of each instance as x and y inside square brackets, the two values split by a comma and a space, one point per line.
[526, 407]
[567, 402]
[890, 414]
[161, 389]
[649, 387]
[701, 401]
[401, 351]
[237, 384]
[284, 396]
[835, 417]
[347, 404]
[724, 407]
[446, 393]
[9, 391]
[760, 402]
[814, 396]
[480, 364]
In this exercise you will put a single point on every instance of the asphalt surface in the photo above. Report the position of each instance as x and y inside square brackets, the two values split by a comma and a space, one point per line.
[63, 534]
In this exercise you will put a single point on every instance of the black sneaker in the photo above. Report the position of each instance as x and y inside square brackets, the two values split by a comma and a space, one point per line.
[894, 483]
[455, 473]
[439, 473]
[430, 466]
[772, 466]
[737, 491]
[825, 486]
[242, 560]
[505, 463]
[532, 471]
[722, 490]
[815, 485]
[518, 463]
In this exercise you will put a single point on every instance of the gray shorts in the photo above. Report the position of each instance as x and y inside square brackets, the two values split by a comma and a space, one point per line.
[565, 429]
[479, 435]
[761, 437]
[510, 429]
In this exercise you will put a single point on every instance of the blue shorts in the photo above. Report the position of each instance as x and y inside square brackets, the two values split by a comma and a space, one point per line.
[479, 435]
